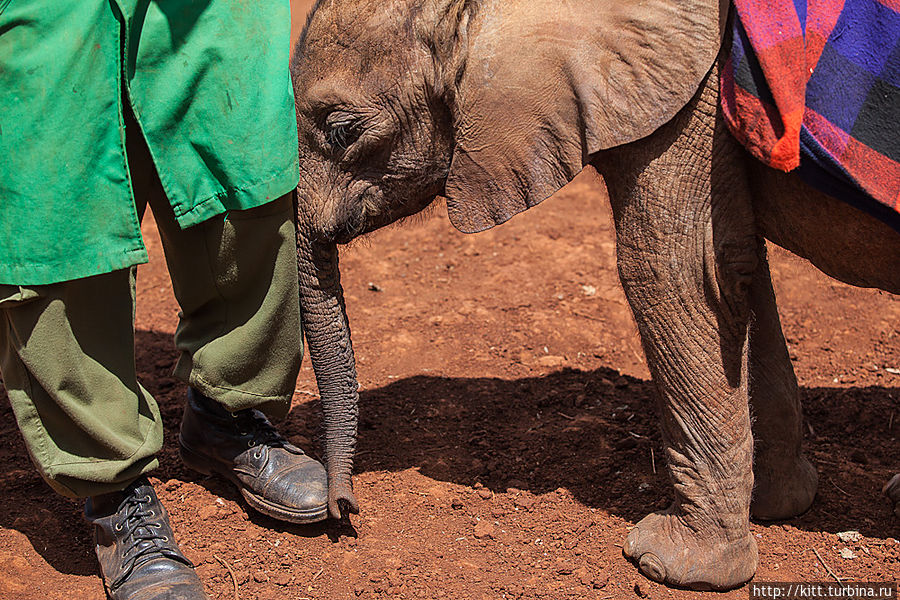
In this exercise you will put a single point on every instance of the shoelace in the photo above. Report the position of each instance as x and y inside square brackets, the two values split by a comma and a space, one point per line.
[139, 526]
[255, 424]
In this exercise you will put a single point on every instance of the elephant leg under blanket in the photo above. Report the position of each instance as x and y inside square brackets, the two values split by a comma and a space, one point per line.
[785, 480]
[688, 284]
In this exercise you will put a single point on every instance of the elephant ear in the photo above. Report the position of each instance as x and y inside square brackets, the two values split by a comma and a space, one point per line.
[543, 84]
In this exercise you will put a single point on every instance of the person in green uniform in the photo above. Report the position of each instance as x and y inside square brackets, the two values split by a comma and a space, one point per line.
[107, 106]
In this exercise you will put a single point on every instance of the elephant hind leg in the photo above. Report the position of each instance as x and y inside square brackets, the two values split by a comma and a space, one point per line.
[785, 481]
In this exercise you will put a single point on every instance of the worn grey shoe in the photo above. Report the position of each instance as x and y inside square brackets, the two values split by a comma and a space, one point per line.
[139, 559]
[274, 476]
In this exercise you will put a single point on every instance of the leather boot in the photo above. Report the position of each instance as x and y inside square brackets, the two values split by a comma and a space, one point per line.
[274, 476]
[139, 559]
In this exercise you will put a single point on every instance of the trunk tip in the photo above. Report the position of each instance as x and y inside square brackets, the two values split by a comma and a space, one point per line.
[342, 503]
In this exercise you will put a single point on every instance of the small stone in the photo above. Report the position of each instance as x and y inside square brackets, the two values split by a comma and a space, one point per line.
[639, 591]
[599, 583]
[551, 361]
[588, 290]
[485, 493]
[584, 575]
[456, 504]
[849, 537]
[260, 577]
[484, 529]
[282, 579]
[847, 553]
[208, 512]
[526, 502]
[374, 287]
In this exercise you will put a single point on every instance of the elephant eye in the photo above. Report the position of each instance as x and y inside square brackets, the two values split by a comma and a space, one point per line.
[341, 130]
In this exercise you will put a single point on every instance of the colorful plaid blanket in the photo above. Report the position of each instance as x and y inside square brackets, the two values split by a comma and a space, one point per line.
[814, 85]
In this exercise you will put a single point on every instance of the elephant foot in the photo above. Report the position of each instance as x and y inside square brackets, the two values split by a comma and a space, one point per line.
[892, 491]
[668, 550]
[784, 489]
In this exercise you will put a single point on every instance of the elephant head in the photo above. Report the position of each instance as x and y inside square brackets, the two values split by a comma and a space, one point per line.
[492, 104]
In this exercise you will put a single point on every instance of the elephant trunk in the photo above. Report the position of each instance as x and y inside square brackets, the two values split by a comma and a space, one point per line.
[328, 338]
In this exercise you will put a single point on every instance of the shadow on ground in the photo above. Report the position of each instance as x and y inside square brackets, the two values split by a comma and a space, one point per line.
[592, 432]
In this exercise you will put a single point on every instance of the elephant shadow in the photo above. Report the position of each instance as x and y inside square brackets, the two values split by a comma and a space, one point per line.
[592, 432]
[595, 433]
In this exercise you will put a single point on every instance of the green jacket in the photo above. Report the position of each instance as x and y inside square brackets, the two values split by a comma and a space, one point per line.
[208, 81]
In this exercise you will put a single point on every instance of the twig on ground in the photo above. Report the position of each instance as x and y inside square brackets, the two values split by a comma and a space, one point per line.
[838, 487]
[584, 316]
[565, 416]
[652, 460]
[230, 572]
[316, 576]
[827, 568]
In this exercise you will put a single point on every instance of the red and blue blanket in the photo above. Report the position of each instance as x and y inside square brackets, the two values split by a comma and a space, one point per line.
[814, 85]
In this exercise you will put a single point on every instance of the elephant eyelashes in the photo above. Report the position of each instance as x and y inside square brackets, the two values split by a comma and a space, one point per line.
[341, 130]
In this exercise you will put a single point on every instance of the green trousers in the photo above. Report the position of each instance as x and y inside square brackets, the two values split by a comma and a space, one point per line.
[67, 349]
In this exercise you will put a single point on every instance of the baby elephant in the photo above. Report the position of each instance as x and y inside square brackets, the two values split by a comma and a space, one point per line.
[495, 105]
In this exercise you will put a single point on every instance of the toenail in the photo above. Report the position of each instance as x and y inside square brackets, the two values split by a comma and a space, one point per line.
[652, 567]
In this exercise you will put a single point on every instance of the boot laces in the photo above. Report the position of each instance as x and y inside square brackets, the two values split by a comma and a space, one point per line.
[141, 525]
[254, 424]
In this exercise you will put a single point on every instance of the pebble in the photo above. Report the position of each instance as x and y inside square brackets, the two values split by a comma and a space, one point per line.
[484, 529]
[847, 553]
[208, 511]
[485, 493]
[849, 537]
[526, 502]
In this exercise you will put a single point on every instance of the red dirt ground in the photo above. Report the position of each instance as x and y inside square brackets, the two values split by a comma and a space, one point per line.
[507, 438]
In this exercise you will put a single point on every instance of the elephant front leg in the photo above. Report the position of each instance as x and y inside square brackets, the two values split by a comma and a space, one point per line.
[686, 250]
[697, 357]
[785, 480]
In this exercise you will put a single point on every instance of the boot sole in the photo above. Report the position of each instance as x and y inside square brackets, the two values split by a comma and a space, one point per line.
[201, 464]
